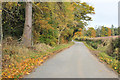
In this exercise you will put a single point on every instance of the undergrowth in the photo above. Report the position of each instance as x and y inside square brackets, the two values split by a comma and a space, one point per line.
[107, 51]
[18, 60]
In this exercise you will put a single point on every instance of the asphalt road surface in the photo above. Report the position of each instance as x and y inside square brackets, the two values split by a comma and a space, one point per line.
[75, 62]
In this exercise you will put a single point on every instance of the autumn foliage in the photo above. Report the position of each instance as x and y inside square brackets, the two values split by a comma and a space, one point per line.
[91, 32]
[18, 60]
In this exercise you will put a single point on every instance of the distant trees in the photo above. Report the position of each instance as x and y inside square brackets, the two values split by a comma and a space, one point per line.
[109, 32]
[91, 32]
[119, 30]
[105, 31]
[112, 30]
[116, 31]
[79, 33]
[101, 31]
[98, 32]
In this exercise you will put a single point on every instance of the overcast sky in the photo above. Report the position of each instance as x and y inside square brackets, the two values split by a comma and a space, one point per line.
[106, 12]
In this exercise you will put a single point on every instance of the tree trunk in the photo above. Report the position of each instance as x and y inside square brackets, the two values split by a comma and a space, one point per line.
[1, 34]
[27, 34]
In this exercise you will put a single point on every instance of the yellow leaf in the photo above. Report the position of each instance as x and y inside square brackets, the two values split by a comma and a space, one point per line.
[27, 73]
[9, 66]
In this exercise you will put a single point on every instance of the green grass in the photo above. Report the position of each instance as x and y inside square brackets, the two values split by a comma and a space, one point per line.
[102, 48]
[106, 58]
[60, 47]
[111, 61]
[90, 47]
[28, 58]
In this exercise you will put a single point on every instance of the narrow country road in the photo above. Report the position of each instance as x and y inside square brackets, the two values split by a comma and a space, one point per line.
[75, 62]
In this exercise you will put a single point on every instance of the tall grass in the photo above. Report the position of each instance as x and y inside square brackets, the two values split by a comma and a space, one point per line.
[107, 50]
[18, 60]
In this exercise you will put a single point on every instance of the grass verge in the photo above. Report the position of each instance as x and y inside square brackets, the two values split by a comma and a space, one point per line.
[103, 57]
[18, 61]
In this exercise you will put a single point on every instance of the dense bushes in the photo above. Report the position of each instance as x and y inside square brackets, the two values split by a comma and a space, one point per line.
[13, 19]
[114, 48]
[94, 43]
[49, 39]
[109, 46]
[18, 60]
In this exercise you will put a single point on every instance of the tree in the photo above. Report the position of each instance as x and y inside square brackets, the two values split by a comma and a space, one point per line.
[103, 31]
[81, 11]
[53, 22]
[112, 30]
[84, 31]
[13, 24]
[27, 34]
[116, 31]
[109, 32]
[1, 31]
[98, 32]
[91, 32]
[62, 16]
[79, 33]
[119, 30]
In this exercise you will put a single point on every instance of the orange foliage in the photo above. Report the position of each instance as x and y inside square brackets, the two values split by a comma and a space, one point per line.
[78, 34]
[80, 29]
[93, 34]
[109, 32]
[24, 67]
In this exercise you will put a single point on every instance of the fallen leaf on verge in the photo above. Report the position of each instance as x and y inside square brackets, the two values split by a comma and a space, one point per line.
[27, 73]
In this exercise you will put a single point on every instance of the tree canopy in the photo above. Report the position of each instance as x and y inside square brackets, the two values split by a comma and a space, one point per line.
[52, 22]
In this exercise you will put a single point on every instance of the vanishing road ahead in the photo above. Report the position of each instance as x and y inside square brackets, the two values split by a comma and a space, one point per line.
[75, 62]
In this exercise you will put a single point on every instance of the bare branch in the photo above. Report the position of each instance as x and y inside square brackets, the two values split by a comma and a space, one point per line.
[37, 7]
